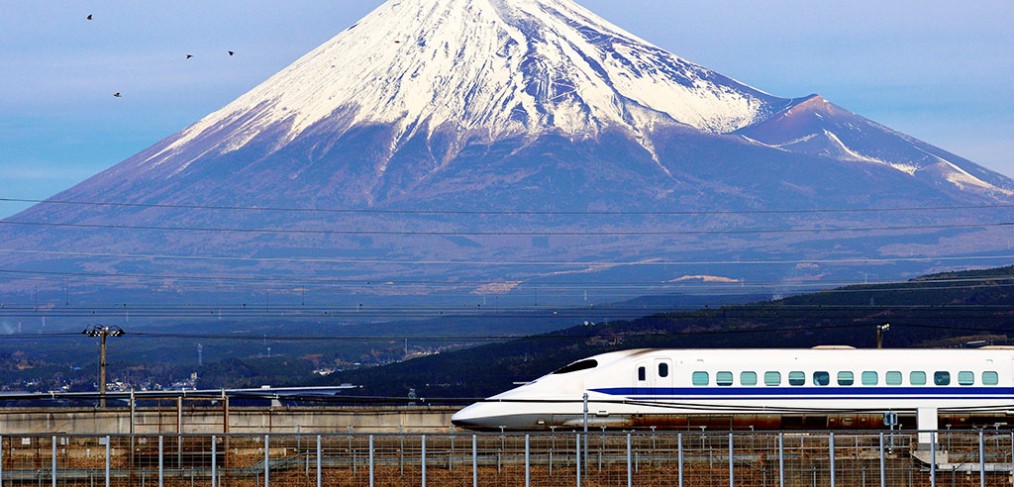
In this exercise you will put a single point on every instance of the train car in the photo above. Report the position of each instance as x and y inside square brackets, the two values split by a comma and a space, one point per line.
[824, 387]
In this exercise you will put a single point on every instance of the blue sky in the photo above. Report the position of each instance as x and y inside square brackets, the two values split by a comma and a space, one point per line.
[940, 71]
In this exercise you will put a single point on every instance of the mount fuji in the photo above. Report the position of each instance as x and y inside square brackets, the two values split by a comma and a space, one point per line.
[459, 148]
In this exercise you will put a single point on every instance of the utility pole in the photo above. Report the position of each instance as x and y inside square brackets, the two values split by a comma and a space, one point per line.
[102, 332]
[881, 329]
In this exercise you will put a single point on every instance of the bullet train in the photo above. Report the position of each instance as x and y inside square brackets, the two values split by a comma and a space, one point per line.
[824, 387]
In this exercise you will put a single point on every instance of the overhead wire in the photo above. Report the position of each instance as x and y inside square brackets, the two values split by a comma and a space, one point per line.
[424, 262]
[504, 212]
[562, 335]
[507, 233]
[478, 312]
[577, 284]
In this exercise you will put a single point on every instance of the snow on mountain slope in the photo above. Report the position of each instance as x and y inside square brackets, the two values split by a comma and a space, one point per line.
[815, 126]
[493, 68]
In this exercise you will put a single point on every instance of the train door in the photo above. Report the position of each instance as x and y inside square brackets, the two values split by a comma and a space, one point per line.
[662, 373]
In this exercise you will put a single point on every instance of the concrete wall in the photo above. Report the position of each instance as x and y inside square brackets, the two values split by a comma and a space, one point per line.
[212, 420]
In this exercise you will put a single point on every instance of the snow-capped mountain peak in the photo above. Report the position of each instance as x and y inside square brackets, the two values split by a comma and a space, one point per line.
[530, 137]
[496, 68]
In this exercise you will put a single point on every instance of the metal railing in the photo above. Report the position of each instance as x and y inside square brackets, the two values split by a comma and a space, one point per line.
[677, 458]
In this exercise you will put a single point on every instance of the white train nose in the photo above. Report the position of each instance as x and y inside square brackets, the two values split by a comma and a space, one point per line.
[482, 416]
[494, 416]
[465, 417]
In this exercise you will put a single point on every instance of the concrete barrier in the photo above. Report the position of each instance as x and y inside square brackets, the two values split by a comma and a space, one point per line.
[247, 420]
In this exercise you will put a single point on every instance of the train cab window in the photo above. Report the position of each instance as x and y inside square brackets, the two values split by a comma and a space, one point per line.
[577, 366]
[870, 378]
[941, 378]
[663, 369]
[797, 378]
[966, 378]
[700, 378]
[642, 373]
[723, 378]
[846, 378]
[990, 378]
[748, 378]
[772, 378]
[917, 378]
[892, 378]
[821, 378]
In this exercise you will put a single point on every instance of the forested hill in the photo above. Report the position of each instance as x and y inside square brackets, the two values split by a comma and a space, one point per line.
[945, 310]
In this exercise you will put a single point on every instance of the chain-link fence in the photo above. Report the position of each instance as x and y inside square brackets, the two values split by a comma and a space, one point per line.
[600, 458]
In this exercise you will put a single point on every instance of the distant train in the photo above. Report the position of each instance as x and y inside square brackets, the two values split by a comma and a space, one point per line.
[824, 387]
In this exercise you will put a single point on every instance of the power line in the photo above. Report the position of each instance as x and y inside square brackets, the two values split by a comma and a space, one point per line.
[597, 263]
[503, 212]
[467, 287]
[503, 233]
[413, 312]
[555, 283]
[544, 336]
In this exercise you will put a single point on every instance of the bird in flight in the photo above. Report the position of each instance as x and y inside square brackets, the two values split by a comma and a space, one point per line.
[89, 16]
[117, 95]
[189, 56]
[231, 53]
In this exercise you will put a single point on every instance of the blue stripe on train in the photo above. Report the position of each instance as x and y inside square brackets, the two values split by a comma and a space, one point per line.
[829, 392]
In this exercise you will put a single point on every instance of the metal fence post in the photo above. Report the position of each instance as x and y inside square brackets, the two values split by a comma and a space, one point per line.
[53, 476]
[578, 450]
[475, 461]
[161, 460]
[108, 451]
[781, 459]
[630, 463]
[830, 446]
[679, 455]
[528, 460]
[214, 460]
[982, 458]
[732, 464]
[423, 461]
[372, 473]
[267, 460]
[933, 459]
[320, 461]
[883, 467]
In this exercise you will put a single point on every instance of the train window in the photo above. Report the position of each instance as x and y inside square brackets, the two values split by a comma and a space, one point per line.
[917, 378]
[772, 378]
[577, 366]
[942, 378]
[892, 378]
[663, 369]
[748, 378]
[700, 378]
[797, 378]
[642, 373]
[990, 378]
[821, 378]
[966, 378]
[870, 378]
[846, 378]
[723, 378]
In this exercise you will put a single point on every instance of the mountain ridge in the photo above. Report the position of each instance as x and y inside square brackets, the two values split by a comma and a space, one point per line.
[627, 161]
